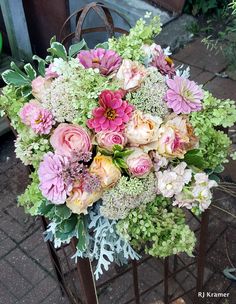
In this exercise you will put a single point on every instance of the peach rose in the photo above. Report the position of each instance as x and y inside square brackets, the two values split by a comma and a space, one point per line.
[104, 168]
[107, 139]
[80, 200]
[39, 85]
[139, 163]
[68, 139]
[176, 137]
[142, 129]
[131, 74]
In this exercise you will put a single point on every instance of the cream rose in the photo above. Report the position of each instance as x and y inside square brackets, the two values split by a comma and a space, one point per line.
[80, 200]
[139, 163]
[104, 168]
[107, 139]
[131, 74]
[39, 85]
[142, 129]
[176, 137]
[68, 139]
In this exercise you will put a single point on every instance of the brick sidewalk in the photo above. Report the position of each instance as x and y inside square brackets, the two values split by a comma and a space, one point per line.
[26, 274]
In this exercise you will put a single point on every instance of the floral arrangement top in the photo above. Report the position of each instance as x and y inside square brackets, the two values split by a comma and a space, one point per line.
[121, 141]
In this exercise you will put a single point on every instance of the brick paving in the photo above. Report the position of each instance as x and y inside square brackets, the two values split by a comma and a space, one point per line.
[26, 273]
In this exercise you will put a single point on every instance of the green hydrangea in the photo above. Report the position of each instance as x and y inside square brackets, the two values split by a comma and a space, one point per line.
[11, 101]
[215, 112]
[149, 97]
[30, 148]
[159, 228]
[128, 194]
[129, 46]
[32, 198]
[73, 95]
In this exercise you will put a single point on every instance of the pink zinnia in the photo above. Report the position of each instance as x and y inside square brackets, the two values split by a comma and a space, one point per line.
[112, 114]
[183, 96]
[52, 183]
[107, 61]
[38, 118]
[164, 64]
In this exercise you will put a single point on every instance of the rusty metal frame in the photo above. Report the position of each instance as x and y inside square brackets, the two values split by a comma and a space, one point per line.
[86, 293]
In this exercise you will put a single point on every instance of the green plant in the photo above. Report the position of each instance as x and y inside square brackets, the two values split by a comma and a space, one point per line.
[204, 7]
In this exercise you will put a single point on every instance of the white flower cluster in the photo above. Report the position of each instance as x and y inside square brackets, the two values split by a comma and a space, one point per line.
[198, 194]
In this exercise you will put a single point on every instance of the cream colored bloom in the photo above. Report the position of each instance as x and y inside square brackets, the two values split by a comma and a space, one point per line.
[171, 181]
[176, 137]
[79, 200]
[131, 74]
[104, 168]
[142, 129]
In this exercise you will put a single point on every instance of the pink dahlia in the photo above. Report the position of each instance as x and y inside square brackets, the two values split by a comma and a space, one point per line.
[107, 61]
[163, 63]
[52, 183]
[38, 118]
[112, 114]
[183, 96]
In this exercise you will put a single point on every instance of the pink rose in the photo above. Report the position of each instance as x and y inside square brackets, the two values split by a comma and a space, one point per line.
[139, 163]
[68, 139]
[39, 84]
[131, 74]
[107, 139]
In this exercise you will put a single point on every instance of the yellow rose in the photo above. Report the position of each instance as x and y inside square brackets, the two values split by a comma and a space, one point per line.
[104, 168]
[80, 200]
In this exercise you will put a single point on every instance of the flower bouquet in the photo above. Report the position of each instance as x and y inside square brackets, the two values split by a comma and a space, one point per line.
[120, 141]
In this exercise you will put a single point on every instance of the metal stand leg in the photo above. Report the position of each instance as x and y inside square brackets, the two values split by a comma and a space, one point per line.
[135, 281]
[202, 252]
[166, 280]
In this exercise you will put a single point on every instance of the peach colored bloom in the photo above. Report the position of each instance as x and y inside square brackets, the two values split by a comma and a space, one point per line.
[176, 137]
[79, 200]
[103, 167]
[131, 74]
[107, 139]
[139, 163]
[68, 139]
[142, 129]
[39, 85]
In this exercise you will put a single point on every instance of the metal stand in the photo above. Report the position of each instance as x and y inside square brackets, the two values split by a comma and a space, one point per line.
[86, 291]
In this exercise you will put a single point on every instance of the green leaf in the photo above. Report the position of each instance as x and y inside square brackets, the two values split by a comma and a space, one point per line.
[228, 272]
[26, 91]
[53, 39]
[14, 78]
[63, 212]
[75, 48]
[123, 153]
[214, 177]
[119, 162]
[58, 50]
[45, 208]
[105, 152]
[117, 148]
[30, 71]
[195, 158]
[81, 234]
[103, 45]
[69, 224]
[17, 69]
[41, 65]
[219, 169]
